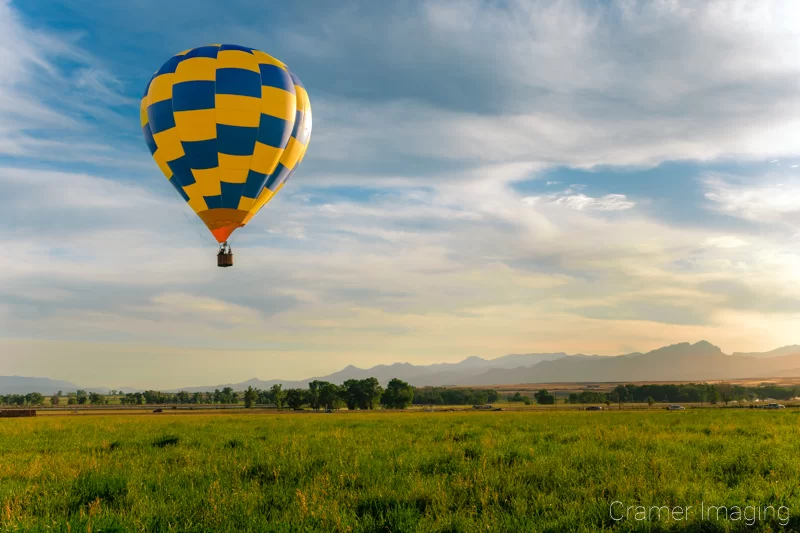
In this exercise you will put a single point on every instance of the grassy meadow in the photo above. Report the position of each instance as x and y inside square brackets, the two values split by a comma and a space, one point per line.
[396, 472]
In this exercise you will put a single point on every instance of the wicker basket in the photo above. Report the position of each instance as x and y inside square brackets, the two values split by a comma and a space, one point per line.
[224, 259]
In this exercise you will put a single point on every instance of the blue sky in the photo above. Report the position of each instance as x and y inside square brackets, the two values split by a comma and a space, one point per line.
[483, 178]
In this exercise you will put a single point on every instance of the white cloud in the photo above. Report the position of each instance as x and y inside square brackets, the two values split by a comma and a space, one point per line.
[563, 84]
[192, 309]
[51, 190]
[725, 241]
[40, 100]
[769, 199]
[582, 202]
[288, 228]
[609, 202]
[102, 85]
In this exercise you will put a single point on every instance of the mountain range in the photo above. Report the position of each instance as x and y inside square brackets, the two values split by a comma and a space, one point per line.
[24, 385]
[679, 362]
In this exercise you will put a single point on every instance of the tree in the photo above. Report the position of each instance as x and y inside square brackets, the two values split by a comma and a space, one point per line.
[82, 396]
[338, 399]
[572, 398]
[362, 393]
[250, 397]
[228, 396]
[398, 394]
[350, 394]
[17, 399]
[152, 397]
[329, 395]
[95, 398]
[630, 392]
[650, 401]
[544, 398]
[453, 396]
[372, 393]
[55, 399]
[182, 397]
[264, 397]
[725, 391]
[295, 398]
[34, 398]
[620, 394]
[72, 400]
[59, 394]
[313, 394]
[517, 397]
[278, 395]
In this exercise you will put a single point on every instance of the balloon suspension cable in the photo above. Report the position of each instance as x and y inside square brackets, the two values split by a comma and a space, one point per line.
[225, 255]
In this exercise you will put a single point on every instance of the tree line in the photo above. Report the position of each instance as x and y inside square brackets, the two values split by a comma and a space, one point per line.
[369, 394]
[353, 393]
[454, 396]
[81, 397]
[685, 393]
[32, 398]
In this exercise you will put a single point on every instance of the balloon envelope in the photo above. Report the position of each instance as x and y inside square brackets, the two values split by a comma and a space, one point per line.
[227, 125]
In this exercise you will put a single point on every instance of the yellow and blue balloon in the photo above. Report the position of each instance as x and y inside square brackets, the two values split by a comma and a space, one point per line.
[227, 125]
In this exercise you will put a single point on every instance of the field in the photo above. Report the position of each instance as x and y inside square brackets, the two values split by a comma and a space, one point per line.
[395, 472]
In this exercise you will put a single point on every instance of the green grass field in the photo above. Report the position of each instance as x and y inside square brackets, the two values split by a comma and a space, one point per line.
[395, 472]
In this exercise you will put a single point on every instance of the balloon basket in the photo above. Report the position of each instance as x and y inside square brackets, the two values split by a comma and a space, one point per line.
[224, 260]
[225, 255]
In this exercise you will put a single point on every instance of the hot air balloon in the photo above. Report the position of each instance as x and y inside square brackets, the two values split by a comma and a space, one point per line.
[227, 125]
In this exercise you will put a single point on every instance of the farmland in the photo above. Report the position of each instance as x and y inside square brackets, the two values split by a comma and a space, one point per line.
[413, 471]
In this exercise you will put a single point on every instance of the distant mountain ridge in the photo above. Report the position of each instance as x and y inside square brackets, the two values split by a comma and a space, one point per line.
[420, 375]
[678, 362]
[786, 350]
[24, 385]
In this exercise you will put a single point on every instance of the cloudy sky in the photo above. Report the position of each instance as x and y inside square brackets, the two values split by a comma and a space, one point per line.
[483, 178]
